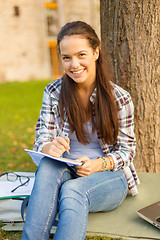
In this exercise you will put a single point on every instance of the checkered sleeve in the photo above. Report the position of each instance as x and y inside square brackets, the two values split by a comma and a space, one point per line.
[124, 150]
[46, 128]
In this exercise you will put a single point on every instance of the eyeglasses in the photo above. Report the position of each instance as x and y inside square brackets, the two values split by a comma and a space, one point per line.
[12, 177]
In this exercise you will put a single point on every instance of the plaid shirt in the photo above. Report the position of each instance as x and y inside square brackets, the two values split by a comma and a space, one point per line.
[49, 126]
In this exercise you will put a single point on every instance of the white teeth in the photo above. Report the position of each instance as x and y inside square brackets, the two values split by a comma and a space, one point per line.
[76, 72]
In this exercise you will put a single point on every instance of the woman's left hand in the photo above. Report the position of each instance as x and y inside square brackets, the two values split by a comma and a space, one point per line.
[89, 166]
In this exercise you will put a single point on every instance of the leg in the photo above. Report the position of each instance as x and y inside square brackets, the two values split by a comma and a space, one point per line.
[101, 191]
[107, 193]
[42, 208]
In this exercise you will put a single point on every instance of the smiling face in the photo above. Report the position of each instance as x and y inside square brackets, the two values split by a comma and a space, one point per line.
[79, 59]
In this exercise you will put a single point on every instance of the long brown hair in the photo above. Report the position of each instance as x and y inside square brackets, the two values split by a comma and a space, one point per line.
[104, 112]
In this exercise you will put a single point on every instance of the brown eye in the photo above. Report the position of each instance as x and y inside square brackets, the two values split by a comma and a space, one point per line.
[82, 55]
[66, 58]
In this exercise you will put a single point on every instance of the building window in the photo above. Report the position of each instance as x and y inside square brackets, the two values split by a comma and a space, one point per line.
[16, 11]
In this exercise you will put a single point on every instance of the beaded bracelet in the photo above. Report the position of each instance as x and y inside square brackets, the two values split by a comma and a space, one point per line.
[111, 161]
[105, 164]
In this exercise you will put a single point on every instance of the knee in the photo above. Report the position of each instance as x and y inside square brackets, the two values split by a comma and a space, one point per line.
[48, 166]
[72, 196]
[71, 188]
[49, 171]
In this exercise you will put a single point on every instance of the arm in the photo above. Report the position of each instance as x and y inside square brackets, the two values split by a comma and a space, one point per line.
[46, 136]
[124, 149]
[122, 153]
[46, 128]
[94, 165]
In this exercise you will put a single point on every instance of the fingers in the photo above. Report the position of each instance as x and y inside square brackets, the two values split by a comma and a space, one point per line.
[86, 168]
[57, 147]
[68, 141]
[89, 166]
[52, 150]
[62, 143]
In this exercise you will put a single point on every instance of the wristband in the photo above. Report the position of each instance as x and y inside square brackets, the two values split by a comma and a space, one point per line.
[105, 164]
[111, 162]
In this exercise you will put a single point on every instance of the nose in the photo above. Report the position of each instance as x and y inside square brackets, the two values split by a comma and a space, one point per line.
[75, 63]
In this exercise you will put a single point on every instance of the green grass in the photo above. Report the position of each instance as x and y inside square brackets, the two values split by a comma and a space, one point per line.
[20, 104]
[17, 236]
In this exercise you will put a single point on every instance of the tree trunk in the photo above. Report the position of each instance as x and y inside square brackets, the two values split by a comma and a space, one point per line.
[131, 31]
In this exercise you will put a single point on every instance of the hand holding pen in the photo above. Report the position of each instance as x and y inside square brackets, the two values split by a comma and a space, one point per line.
[57, 147]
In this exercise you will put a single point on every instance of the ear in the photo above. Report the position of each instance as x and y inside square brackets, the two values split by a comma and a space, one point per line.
[96, 53]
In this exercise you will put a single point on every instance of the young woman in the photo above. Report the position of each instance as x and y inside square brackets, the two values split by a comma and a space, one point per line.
[84, 113]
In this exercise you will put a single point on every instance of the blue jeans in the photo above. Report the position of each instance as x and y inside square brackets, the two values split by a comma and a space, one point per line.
[58, 188]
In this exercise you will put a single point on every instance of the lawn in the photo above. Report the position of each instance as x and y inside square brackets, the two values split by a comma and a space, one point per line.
[20, 104]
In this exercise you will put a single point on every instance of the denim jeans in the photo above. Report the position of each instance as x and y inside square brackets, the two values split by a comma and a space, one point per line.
[58, 188]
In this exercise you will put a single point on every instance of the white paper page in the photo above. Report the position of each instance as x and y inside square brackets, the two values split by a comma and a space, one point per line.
[6, 188]
[37, 156]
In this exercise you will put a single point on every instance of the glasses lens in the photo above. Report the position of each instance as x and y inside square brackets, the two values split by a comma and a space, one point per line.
[3, 177]
[12, 177]
[23, 179]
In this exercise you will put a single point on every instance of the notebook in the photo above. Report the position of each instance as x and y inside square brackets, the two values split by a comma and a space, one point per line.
[37, 156]
[151, 214]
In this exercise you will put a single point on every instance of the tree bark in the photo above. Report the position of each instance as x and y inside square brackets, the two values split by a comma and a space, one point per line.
[131, 31]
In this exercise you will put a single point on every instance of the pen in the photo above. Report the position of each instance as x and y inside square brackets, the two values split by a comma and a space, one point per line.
[63, 135]
[68, 152]
[67, 140]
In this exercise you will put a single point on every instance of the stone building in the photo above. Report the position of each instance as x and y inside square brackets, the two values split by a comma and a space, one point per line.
[28, 32]
[85, 10]
[23, 49]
